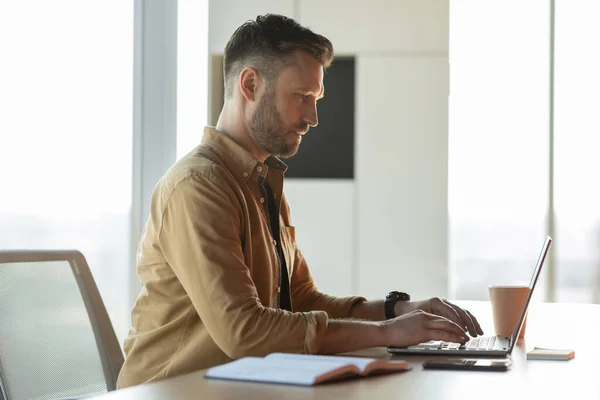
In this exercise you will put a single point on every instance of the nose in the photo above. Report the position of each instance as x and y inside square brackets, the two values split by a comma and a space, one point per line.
[311, 116]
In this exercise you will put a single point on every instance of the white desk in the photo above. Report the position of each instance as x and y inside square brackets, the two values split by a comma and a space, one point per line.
[568, 326]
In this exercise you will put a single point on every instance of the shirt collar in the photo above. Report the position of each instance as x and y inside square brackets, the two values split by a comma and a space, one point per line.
[242, 161]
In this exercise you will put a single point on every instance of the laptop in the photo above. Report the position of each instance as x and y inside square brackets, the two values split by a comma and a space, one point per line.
[482, 346]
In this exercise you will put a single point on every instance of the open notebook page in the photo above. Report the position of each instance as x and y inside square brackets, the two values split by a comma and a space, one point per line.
[360, 362]
[275, 369]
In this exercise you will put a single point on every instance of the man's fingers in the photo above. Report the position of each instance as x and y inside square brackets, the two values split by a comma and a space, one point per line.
[440, 324]
[436, 334]
[466, 319]
[446, 311]
[477, 326]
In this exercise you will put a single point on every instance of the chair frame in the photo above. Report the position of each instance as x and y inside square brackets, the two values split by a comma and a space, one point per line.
[3, 395]
[109, 349]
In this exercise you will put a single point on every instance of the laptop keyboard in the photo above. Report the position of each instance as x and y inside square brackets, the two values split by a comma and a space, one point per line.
[478, 344]
[481, 343]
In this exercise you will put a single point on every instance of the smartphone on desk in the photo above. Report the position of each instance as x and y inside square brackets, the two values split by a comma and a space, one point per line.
[469, 364]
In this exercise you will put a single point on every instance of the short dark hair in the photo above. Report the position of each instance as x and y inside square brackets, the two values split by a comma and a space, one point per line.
[263, 44]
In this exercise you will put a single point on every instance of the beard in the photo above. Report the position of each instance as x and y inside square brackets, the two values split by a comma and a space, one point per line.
[269, 131]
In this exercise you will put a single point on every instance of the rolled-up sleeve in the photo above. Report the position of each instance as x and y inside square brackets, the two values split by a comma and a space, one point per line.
[200, 238]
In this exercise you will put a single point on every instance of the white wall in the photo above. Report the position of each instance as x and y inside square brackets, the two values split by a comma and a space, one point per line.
[401, 160]
[323, 213]
[379, 26]
[386, 229]
[225, 16]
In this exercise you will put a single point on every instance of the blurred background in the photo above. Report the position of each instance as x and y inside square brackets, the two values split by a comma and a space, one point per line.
[454, 136]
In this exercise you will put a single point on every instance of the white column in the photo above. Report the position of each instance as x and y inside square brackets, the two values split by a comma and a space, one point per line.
[154, 120]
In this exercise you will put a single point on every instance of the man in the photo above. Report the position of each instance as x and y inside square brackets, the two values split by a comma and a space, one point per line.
[222, 275]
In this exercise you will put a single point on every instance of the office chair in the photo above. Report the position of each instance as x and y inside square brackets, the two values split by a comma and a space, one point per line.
[56, 339]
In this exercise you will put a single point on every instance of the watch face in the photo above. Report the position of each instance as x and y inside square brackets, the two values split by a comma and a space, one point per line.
[396, 295]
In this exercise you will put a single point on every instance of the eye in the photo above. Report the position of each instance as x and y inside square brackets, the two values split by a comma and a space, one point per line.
[303, 96]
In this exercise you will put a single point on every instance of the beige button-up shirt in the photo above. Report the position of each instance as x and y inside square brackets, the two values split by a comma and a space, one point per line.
[210, 272]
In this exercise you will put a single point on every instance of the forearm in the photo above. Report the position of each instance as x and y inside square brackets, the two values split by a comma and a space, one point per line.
[343, 336]
[368, 311]
[373, 310]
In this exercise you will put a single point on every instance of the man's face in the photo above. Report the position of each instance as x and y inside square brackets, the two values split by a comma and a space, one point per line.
[288, 107]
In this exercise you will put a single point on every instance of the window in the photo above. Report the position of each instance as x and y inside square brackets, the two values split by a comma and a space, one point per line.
[577, 145]
[500, 135]
[66, 135]
[192, 73]
[498, 143]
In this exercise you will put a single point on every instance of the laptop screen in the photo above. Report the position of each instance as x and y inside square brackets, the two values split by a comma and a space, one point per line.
[534, 278]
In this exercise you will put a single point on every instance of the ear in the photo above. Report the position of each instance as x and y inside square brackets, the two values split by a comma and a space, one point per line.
[249, 82]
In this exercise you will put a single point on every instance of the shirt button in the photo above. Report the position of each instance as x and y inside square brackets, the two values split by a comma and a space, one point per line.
[259, 168]
[279, 290]
[262, 199]
[245, 174]
[274, 242]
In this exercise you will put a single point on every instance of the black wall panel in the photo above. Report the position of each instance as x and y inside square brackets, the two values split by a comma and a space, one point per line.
[327, 151]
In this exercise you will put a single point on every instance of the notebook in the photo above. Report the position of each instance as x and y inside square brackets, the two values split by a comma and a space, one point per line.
[302, 369]
[539, 353]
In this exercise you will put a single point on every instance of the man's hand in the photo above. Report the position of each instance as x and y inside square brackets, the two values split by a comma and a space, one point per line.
[419, 326]
[414, 327]
[463, 318]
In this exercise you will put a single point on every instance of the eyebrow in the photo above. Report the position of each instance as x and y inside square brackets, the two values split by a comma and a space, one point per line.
[307, 89]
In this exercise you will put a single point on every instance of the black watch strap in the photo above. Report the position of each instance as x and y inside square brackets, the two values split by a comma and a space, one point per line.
[390, 301]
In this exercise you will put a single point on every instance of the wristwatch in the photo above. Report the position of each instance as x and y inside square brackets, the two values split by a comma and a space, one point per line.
[390, 302]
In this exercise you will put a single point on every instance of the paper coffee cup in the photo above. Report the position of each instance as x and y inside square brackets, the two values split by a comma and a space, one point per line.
[507, 307]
